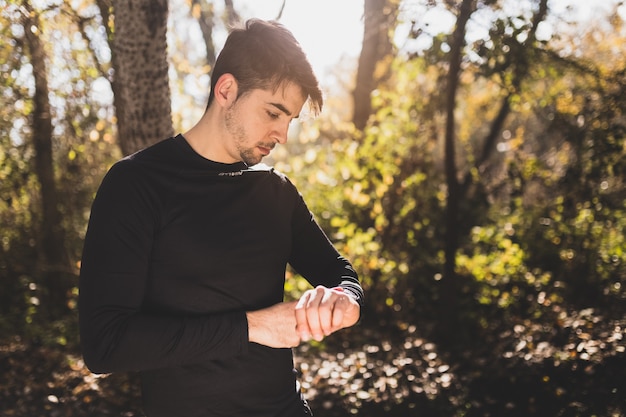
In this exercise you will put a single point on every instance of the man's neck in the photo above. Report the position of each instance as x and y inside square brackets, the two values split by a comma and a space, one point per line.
[206, 138]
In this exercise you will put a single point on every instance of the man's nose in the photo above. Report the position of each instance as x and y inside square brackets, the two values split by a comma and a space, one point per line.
[281, 133]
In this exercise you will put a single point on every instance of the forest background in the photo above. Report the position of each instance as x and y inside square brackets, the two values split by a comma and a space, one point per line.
[474, 175]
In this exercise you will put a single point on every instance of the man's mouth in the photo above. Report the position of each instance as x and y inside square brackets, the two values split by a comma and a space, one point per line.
[265, 150]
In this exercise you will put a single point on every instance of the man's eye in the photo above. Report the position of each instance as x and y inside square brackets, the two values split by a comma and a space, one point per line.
[273, 115]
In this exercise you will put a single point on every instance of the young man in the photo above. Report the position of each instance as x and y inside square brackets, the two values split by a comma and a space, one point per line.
[184, 260]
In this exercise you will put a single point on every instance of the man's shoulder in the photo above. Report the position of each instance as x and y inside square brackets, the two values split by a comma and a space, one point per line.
[153, 155]
[267, 169]
[138, 166]
[160, 149]
[271, 175]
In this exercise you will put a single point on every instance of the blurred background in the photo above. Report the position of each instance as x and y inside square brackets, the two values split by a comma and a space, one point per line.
[470, 161]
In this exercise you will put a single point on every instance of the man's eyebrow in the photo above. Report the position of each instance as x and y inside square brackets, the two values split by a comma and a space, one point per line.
[283, 109]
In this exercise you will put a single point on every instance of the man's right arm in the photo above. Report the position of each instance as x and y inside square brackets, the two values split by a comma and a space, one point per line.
[318, 313]
[116, 333]
[274, 326]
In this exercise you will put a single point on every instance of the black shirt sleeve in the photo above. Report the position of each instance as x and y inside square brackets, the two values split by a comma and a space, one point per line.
[116, 333]
[316, 258]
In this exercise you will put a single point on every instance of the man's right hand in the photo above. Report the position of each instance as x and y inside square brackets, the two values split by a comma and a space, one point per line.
[274, 326]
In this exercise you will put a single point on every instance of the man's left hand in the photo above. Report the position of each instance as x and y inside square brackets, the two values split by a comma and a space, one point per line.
[322, 311]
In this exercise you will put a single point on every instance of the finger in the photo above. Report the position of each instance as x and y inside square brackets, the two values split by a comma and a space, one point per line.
[325, 312]
[302, 325]
[313, 313]
[339, 309]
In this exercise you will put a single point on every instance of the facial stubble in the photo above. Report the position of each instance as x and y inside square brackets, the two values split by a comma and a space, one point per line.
[236, 129]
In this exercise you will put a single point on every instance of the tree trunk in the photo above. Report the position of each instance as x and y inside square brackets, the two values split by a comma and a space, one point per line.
[449, 294]
[204, 14]
[232, 17]
[379, 16]
[55, 262]
[203, 11]
[140, 82]
[521, 64]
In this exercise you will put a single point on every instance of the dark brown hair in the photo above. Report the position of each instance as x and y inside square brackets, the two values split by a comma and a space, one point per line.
[264, 55]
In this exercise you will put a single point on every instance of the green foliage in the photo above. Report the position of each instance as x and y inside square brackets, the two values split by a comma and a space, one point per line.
[542, 225]
[379, 196]
[542, 248]
[83, 149]
[16, 182]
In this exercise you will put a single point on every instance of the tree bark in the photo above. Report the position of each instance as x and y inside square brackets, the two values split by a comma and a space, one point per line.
[55, 260]
[140, 81]
[203, 11]
[450, 286]
[232, 17]
[379, 16]
[204, 14]
[457, 190]
[520, 71]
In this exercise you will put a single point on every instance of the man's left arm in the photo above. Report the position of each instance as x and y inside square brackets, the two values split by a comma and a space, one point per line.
[337, 297]
[322, 311]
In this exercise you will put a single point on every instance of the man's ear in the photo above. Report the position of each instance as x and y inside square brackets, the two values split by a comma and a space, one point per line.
[226, 90]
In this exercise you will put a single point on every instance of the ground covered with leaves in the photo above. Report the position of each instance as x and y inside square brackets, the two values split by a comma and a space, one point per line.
[576, 367]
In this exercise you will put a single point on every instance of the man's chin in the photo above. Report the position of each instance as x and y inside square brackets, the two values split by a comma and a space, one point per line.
[251, 159]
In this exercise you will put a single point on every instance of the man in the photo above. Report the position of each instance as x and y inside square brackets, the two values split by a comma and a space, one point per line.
[184, 260]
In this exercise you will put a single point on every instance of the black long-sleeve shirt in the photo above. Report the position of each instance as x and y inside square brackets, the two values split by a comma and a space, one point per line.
[178, 248]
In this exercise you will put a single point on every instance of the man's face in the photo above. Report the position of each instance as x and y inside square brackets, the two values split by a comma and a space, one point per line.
[259, 120]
